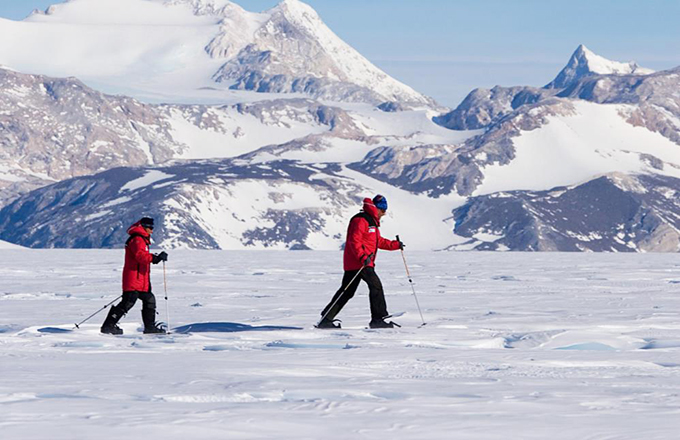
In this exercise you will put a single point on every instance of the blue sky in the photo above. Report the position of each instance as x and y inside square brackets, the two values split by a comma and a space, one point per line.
[446, 48]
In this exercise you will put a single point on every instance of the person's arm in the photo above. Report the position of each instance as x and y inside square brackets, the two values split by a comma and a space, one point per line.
[389, 245]
[138, 249]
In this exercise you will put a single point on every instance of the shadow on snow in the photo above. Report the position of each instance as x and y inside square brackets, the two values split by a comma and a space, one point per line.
[228, 327]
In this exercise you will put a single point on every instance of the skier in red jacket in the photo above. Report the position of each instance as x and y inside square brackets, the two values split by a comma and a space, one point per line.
[361, 248]
[137, 280]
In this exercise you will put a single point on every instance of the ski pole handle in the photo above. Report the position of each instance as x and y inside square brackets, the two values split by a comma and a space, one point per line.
[401, 245]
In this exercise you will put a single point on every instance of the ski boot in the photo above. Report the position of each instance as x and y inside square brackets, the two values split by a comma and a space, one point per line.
[112, 329]
[381, 323]
[150, 324]
[110, 325]
[154, 329]
[329, 324]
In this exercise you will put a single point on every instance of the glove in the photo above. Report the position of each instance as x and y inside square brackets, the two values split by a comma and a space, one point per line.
[401, 245]
[157, 258]
[368, 260]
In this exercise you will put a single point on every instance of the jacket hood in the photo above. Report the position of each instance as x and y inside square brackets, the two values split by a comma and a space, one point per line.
[370, 209]
[138, 229]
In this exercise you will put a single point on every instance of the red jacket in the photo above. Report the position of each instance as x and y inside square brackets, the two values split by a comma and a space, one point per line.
[137, 269]
[364, 239]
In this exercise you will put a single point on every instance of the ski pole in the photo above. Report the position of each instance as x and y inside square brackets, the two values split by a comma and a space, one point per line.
[410, 280]
[167, 309]
[77, 326]
[340, 296]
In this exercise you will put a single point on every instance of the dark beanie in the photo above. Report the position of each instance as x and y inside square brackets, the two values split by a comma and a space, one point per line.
[146, 222]
[380, 202]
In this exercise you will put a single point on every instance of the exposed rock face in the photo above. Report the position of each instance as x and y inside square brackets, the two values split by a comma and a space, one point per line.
[616, 213]
[483, 107]
[391, 107]
[59, 128]
[54, 129]
[280, 111]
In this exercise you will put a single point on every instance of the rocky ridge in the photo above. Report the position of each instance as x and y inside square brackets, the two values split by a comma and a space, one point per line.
[202, 205]
[612, 213]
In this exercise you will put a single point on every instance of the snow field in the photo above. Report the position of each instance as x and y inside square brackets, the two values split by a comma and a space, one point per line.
[5, 245]
[570, 150]
[244, 134]
[560, 346]
[147, 56]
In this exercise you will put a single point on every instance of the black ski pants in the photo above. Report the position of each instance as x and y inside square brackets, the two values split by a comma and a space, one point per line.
[148, 306]
[376, 295]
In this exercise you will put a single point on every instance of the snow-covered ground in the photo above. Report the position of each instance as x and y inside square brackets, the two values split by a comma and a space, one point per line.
[5, 245]
[520, 346]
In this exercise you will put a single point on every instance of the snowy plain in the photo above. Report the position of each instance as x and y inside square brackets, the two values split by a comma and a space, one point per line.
[516, 346]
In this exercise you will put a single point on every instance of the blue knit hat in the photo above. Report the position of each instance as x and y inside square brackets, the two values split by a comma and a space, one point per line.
[380, 202]
[146, 222]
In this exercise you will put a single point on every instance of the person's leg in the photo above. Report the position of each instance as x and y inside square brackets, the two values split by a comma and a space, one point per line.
[344, 294]
[149, 312]
[376, 295]
[118, 311]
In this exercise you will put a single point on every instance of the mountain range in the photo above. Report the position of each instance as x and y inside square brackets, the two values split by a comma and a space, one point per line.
[272, 130]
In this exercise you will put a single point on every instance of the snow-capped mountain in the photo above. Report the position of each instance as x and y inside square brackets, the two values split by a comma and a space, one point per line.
[483, 107]
[585, 63]
[294, 51]
[196, 50]
[274, 170]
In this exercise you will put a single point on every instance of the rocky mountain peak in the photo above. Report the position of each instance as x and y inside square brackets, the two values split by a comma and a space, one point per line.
[584, 62]
[290, 49]
[299, 13]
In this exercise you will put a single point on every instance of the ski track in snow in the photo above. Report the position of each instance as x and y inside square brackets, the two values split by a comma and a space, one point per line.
[559, 346]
